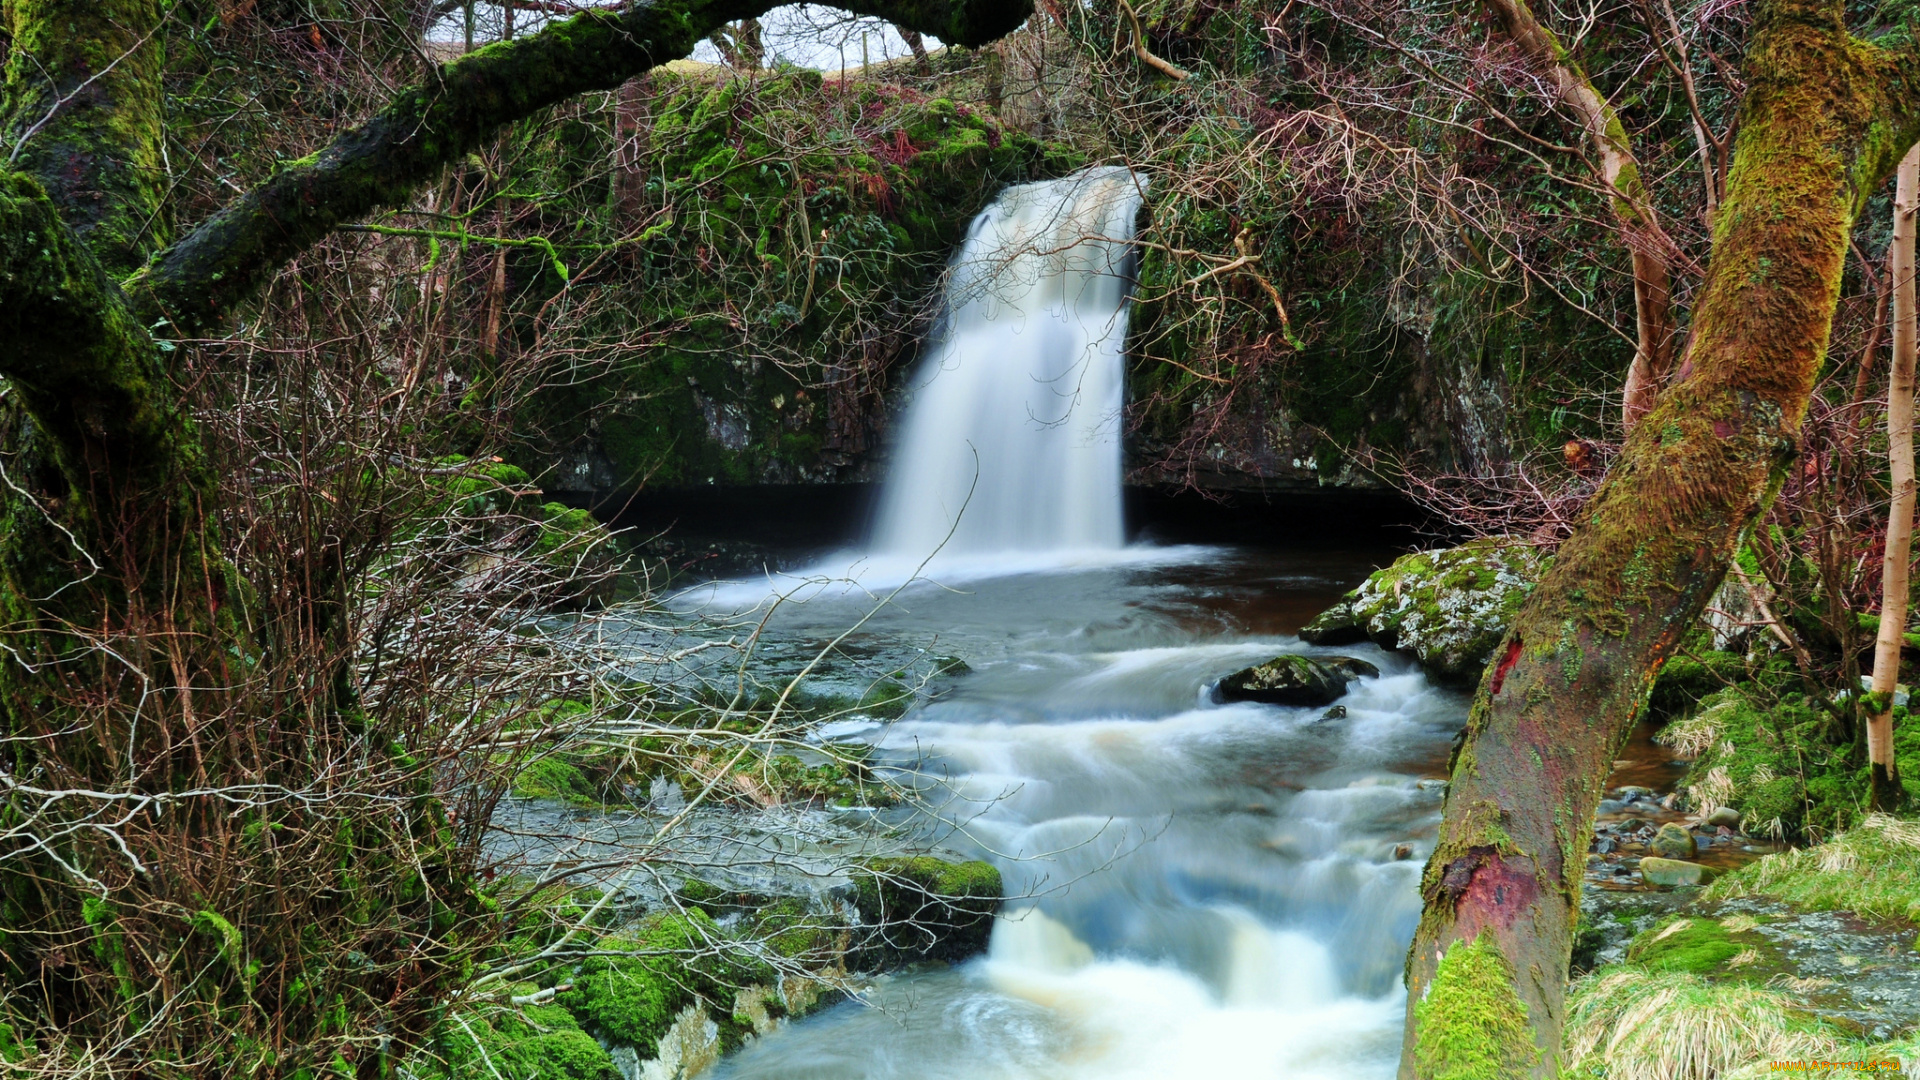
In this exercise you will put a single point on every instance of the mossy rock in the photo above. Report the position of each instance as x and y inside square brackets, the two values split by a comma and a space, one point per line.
[533, 1042]
[554, 777]
[1449, 607]
[676, 960]
[923, 908]
[1295, 680]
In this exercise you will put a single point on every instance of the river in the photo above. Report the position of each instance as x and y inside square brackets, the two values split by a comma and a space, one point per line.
[1195, 889]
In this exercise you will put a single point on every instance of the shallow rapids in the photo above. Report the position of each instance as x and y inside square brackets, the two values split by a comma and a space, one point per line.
[1195, 889]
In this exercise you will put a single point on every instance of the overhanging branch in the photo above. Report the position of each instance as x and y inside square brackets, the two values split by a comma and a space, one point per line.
[383, 161]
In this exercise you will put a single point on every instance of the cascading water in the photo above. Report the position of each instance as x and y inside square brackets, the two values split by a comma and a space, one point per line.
[1014, 427]
[1195, 891]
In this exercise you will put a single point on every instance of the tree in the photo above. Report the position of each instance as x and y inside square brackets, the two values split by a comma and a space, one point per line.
[1886, 790]
[1825, 118]
[150, 677]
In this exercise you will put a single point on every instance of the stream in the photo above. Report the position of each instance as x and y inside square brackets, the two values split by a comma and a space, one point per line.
[1195, 889]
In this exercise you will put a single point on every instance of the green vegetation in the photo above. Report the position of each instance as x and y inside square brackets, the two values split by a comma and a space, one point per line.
[1872, 870]
[1471, 1023]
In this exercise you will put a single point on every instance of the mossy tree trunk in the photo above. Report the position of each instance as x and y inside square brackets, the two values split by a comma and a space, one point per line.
[138, 689]
[1823, 122]
[1884, 770]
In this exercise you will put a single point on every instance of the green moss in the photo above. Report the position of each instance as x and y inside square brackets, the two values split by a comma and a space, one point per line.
[676, 960]
[924, 908]
[1471, 1024]
[553, 777]
[535, 1042]
[1692, 945]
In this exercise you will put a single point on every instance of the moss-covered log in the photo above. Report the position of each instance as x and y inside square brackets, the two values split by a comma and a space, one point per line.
[1823, 123]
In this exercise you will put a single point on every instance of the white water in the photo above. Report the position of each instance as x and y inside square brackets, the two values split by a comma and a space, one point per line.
[1197, 891]
[1012, 440]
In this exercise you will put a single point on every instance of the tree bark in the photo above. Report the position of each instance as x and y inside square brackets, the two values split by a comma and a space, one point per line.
[84, 117]
[1631, 203]
[1887, 793]
[1823, 122]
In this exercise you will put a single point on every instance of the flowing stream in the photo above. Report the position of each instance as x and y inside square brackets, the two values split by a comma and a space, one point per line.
[1194, 889]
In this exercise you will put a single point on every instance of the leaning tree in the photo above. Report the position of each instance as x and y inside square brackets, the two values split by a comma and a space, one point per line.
[199, 807]
[1825, 118]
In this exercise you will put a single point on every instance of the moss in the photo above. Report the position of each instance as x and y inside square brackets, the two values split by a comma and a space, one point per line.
[1449, 607]
[676, 960]
[1472, 1025]
[553, 777]
[1872, 870]
[535, 1042]
[1780, 757]
[924, 908]
[1692, 945]
[1628, 1021]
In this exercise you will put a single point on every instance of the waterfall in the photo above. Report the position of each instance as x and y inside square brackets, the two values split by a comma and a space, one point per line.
[1015, 418]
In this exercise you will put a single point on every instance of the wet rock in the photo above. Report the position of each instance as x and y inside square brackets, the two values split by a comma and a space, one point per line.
[1673, 872]
[1403, 851]
[923, 908]
[1674, 842]
[1449, 608]
[1294, 680]
[1338, 712]
[1725, 817]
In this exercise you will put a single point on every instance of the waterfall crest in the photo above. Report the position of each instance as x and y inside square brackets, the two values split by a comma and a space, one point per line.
[1015, 419]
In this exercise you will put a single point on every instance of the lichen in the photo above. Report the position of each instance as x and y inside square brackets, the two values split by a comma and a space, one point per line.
[1471, 1023]
[1449, 608]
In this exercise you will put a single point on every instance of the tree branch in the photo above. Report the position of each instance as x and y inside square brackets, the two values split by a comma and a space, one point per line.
[384, 160]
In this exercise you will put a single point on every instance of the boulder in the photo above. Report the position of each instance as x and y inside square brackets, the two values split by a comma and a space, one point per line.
[1725, 817]
[922, 907]
[1673, 842]
[1449, 607]
[1295, 680]
[1658, 871]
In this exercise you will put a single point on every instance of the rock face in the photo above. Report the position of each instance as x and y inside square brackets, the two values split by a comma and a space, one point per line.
[1295, 680]
[1449, 607]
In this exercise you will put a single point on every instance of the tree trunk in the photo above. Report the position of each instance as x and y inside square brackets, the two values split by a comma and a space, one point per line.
[1820, 127]
[1632, 204]
[1887, 793]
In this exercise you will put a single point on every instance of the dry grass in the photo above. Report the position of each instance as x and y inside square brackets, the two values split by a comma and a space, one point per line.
[1638, 1025]
[1872, 870]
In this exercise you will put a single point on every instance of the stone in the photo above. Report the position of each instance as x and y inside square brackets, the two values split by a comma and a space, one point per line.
[1338, 712]
[1673, 842]
[1294, 680]
[1673, 872]
[1449, 608]
[1403, 851]
[1726, 817]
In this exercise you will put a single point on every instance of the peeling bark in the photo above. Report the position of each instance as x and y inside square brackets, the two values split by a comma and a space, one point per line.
[1824, 121]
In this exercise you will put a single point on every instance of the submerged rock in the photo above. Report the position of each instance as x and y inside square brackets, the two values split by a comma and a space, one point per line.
[1673, 842]
[1449, 608]
[1659, 871]
[1295, 680]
